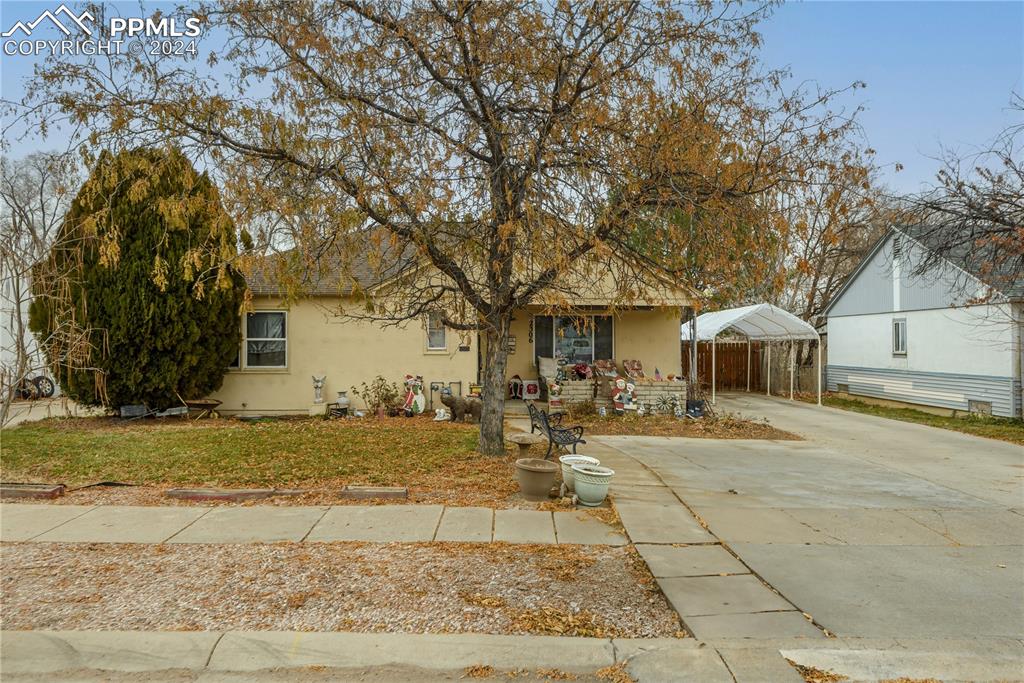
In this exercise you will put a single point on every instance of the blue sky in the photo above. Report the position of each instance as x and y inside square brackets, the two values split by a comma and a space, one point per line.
[938, 73]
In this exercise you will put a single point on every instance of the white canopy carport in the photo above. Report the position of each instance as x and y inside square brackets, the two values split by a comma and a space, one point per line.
[759, 322]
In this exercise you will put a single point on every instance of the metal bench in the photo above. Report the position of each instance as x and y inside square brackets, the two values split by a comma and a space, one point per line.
[550, 426]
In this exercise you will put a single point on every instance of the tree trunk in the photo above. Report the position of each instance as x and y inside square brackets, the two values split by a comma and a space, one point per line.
[492, 436]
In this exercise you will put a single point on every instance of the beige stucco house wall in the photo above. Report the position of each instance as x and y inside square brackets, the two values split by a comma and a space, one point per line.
[349, 352]
[319, 342]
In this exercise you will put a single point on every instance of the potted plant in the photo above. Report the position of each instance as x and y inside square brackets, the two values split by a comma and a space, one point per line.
[591, 482]
[567, 461]
[379, 395]
[536, 477]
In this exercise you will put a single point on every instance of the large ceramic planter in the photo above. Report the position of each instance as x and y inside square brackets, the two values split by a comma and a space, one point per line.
[536, 477]
[568, 461]
[591, 483]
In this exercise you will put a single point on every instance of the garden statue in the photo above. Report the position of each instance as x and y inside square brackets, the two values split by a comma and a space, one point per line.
[623, 395]
[640, 412]
[318, 388]
[440, 415]
[677, 408]
[415, 401]
[461, 407]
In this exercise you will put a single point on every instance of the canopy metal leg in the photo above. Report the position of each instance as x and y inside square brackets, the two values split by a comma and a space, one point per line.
[748, 365]
[792, 366]
[714, 367]
[820, 370]
[768, 391]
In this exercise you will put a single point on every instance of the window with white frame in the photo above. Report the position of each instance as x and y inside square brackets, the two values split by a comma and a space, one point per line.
[573, 338]
[899, 336]
[266, 339]
[436, 338]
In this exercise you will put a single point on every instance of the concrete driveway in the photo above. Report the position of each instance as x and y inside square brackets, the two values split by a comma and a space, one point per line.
[877, 528]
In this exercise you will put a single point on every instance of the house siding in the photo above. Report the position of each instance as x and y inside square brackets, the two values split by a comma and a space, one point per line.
[938, 389]
[871, 289]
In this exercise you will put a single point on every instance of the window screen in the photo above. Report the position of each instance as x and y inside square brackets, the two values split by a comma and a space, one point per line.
[265, 340]
[435, 332]
[543, 336]
[899, 336]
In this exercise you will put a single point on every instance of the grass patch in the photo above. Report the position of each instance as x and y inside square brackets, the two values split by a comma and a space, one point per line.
[295, 453]
[1002, 428]
[721, 427]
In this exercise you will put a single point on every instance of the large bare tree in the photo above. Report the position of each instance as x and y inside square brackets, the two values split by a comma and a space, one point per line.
[975, 212]
[501, 149]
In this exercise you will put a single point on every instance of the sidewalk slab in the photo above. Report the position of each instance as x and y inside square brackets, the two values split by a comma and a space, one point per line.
[870, 526]
[42, 652]
[585, 529]
[251, 651]
[378, 523]
[762, 625]
[761, 525]
[652, 523]
[125, 524]
[257, 524]
[523, 526]
[472, 524]
[21, 522]
[662, 495]
[973, 527]
[709, 595]
[942, 664]
[759, 665]
[679, 665]
[666, 561]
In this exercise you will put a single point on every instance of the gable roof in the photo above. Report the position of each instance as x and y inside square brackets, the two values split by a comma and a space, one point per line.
[372, 261]
[962, 259]
[970, 261]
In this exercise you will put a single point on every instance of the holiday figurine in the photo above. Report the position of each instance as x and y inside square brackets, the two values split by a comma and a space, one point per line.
[415, 401]
[623, 395]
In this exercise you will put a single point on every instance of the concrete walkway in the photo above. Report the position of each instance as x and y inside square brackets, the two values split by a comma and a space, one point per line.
[877, 528]
[257, 656]
[715, 594]
[268, 524]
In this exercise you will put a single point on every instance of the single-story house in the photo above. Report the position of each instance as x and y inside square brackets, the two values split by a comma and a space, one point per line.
[948, 339]
[286, 342]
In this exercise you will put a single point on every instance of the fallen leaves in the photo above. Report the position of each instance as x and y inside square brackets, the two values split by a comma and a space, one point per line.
[723, 427]
[554, 621]
[478, 671]
[811, 674]
[616, 673]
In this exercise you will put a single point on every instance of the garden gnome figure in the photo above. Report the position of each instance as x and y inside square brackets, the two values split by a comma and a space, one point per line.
[318, 388]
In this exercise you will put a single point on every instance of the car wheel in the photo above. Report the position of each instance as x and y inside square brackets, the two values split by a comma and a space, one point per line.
[44, 386]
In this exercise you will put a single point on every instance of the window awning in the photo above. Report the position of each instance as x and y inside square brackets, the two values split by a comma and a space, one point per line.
[761, 322]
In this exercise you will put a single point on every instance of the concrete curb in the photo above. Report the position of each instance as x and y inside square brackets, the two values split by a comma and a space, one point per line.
[732, 660]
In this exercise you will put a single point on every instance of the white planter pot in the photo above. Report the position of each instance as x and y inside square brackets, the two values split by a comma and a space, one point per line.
[591, 482]
[568, 461]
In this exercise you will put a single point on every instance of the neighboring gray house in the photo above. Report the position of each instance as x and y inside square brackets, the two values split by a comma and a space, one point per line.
[919, 339]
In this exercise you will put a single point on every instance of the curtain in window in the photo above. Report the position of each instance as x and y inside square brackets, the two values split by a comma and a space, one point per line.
[435, 332]
[265, 344]
[603, 337]
[543, 325]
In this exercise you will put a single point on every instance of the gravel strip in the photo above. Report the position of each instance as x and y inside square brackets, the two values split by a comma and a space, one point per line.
[436, 588]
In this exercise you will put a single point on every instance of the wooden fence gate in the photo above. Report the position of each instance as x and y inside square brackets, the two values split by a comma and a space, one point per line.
[731, 370]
